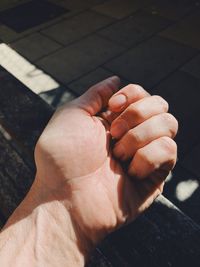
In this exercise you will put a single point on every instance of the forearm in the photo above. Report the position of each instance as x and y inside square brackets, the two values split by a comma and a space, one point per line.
[40, 233]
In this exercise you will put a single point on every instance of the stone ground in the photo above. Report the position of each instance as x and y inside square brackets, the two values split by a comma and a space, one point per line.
[59, 51]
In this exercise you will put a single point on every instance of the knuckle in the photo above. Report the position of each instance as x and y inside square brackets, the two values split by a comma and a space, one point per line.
[167, 118]
[135, 111]
[139, 90]
[168, 145]
[149, 162]
[172, 123]
[135, 136]
[140, 155]
[161, 101]
[135, 86]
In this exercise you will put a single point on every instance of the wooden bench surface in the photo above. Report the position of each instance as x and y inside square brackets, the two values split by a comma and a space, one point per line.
[163, 236]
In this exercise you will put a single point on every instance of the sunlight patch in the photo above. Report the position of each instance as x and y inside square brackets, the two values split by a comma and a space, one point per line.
[169, 177]
[184, 190]
[35, 79]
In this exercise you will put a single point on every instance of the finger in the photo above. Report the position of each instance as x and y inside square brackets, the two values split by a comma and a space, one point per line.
[153, 184]
[157, 126]
[137, 113]
[109, 116]
[97, 97]
[126, 96]
[158, 156]
[147, 192]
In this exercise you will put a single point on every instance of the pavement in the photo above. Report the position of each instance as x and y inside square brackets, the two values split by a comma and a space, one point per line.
[59, 48]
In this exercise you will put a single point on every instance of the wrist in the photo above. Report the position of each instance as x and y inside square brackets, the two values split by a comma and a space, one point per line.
[45, 231]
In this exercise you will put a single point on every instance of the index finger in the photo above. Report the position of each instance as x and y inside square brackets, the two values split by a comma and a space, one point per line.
[126, 96]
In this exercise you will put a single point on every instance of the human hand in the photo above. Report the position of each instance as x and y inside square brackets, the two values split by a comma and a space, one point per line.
[103, 187]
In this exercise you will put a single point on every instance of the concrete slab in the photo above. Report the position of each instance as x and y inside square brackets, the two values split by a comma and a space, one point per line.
[79, 86]
[32, 77]
[57, 97]
[7, 34]
[73, 29]
[65, 97]
[134, 29]
[182, 91]
[30, 14]
[151, 61]
[185, 31]
[10, 35]
[4, 4]
[193, 67]
[35, 46]
[173, 10]
[192, 161]
[78, 4]
[119, 9]
[80, 58]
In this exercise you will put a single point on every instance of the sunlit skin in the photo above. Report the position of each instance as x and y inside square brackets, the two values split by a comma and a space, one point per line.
[77, 144]
[105, 157]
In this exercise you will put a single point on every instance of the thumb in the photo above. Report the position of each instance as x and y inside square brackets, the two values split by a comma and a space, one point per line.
[97, 97]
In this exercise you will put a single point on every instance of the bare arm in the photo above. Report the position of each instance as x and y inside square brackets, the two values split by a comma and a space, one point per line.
[41, 233]
[81, 191]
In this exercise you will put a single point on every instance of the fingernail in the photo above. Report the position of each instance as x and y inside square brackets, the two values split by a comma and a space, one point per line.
[119, 128]
[115, 78]
[119, 151]
[118, 101]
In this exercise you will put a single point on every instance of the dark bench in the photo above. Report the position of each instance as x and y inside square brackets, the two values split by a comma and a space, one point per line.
[163, 236]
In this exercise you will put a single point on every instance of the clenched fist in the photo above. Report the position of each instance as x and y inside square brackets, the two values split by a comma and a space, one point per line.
[106, 155]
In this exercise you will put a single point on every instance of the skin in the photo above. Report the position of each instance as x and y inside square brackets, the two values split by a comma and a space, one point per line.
[101, 161]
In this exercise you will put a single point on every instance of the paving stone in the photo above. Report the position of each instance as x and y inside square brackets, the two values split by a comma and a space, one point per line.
[65, 98]
[193, 67]
[78, 4]
[79, 86]
[185, 31]
[57, 97]
[151, 61]
[80, 58]
[31, 14]
[10, 3]
[183, 191]
[182, 91]
[120, 9]
[77, 27]
[32, 77]
[135, 28]
[35, 46]
[8, 34]
[192, 161]
[50, 96]
[172, 9]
